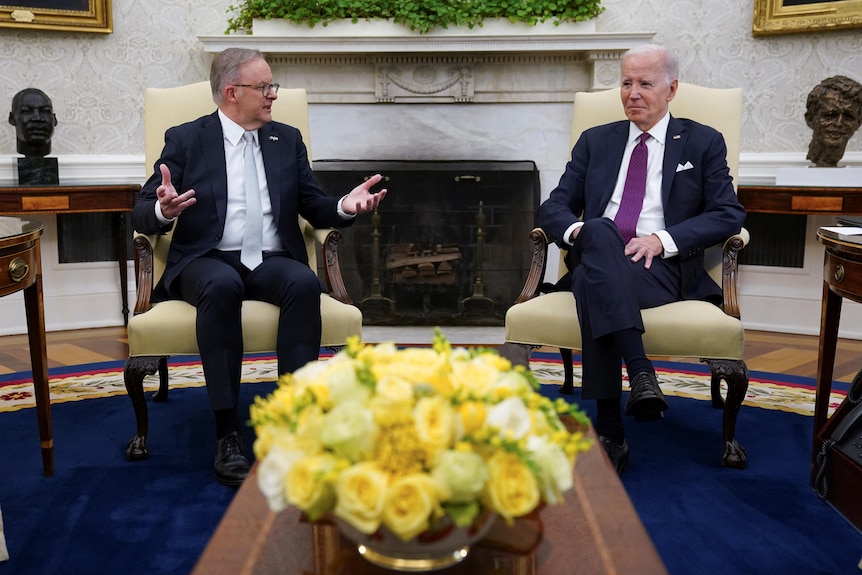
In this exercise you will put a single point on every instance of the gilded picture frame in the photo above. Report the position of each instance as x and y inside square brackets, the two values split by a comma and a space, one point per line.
[799, 16]
[62, 15]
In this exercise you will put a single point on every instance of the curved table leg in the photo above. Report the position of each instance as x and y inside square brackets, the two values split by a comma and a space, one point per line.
[735, 373]
[137, 368]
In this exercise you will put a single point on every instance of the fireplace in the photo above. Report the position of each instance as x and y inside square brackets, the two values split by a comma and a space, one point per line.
[447, 246]
[493, 97]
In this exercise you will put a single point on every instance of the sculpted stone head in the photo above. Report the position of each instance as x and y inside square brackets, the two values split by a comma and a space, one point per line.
[834, 112]
[34, 120]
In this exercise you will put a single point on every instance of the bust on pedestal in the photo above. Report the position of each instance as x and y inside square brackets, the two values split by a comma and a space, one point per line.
[34, 120]
[833, 111]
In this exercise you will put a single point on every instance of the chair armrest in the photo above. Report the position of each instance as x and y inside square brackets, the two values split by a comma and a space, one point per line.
[332, 270]
[538, 263]
[143, 246]
[729, 267]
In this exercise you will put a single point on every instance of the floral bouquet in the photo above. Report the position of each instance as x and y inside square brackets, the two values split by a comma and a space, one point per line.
[381, 438]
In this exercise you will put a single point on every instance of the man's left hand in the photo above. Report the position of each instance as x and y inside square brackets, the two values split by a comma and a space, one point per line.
[361, 199]
[645, 248]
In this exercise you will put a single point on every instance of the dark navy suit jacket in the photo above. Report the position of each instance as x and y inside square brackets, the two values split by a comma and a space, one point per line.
[194, 153]
[700, 204]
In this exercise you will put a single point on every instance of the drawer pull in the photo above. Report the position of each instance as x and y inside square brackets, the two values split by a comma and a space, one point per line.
[468, 178]
[18, 269]
[839, 273]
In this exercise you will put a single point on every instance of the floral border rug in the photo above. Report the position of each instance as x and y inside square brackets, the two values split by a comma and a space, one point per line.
[768, 391]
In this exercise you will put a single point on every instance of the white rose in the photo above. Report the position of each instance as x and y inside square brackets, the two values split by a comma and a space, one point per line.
[349, 430]
[511, 417]
[462, 474]
[555, 469]
[272, 475]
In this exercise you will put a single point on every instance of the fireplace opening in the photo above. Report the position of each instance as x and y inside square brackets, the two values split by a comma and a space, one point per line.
[448, 245]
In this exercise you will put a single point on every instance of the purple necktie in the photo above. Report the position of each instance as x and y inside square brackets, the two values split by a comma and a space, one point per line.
[633, 191]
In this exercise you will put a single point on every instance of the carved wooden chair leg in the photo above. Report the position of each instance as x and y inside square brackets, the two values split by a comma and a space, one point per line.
[162, 393]
[137, 368]
[568, 387]
[735, 374]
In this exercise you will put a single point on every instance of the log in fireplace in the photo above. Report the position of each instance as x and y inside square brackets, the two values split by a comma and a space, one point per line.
[448, 245]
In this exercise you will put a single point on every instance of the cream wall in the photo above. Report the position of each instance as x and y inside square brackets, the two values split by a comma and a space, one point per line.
[97, 83]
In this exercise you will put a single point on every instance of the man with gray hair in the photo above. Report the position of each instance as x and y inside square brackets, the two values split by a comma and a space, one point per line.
[240, 181]
[639, 202]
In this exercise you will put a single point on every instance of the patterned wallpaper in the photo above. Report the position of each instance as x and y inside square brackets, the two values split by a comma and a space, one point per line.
[97, 81]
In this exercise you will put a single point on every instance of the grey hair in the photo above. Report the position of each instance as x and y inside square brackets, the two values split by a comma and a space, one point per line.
[225, 69]
[669, 59]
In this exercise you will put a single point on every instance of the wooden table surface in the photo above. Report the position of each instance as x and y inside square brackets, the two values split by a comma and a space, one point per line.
[596, 531]
[117, 199]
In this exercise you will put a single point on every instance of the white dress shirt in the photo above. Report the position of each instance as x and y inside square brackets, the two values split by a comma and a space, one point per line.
[651, 220]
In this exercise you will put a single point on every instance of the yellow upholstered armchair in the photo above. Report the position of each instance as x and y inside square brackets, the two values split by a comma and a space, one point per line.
[158, 331]
[685, 329]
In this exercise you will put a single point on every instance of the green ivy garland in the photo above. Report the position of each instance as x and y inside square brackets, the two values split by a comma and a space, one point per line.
[417, 15]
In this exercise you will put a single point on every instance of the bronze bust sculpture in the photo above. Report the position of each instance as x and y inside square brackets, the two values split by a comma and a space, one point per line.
[834, 112]
[34, 120]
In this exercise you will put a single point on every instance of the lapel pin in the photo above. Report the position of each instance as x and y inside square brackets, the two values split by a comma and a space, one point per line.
[675, 137]
[273, 138]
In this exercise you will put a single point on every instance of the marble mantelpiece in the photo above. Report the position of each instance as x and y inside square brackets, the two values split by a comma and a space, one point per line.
[515, 63]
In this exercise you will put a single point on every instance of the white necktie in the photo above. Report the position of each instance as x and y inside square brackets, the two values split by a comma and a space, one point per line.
[252, 239]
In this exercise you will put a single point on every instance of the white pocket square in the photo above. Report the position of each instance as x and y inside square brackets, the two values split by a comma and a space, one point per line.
[684, 167]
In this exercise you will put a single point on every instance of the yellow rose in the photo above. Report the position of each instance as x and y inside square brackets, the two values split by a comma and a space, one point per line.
[511, 490]
[393, 389]
[361, 491]
[435, 421]
[308, 487]
[476, 376]
[410, 504]
[471, 416]
[420, 366]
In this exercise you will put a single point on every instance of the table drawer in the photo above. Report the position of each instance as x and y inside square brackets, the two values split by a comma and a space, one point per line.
[18, 270]
[844, 276]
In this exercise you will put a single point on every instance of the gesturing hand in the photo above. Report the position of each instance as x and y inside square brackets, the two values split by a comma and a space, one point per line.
[171, 203]
[361, 199]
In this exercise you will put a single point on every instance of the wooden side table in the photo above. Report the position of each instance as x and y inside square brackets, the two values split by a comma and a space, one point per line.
[800, 200]
[842, 278]
[83, 199]
[21, 270]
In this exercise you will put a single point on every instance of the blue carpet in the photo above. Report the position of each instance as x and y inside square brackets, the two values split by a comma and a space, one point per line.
[101, 514]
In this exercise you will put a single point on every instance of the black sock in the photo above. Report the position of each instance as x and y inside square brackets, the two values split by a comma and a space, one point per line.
[227, 421]
[609, 420]
[630, 344]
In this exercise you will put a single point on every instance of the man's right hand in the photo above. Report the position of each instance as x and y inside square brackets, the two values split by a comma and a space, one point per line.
[171, 203]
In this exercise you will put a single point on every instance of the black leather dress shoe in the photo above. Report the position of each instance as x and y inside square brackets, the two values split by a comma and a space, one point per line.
[618, 454]
[646, 401]
[231, 465]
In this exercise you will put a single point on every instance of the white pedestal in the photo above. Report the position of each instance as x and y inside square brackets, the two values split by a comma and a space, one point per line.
[840, 177]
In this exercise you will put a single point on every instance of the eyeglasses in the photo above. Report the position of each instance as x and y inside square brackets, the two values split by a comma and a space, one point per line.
[265, 89]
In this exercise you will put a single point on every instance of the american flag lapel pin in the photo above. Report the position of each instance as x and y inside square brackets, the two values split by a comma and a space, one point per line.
[677, 137]
[273, 138]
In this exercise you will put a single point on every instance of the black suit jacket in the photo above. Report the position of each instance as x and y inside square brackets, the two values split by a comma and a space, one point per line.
[700, 204]
[194, 153]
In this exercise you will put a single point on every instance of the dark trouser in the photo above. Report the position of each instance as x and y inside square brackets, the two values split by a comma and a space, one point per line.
[610, 290]
[217, 283]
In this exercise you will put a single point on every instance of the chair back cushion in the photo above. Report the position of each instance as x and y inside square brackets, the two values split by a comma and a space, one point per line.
[720, 108]
[168, 107]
